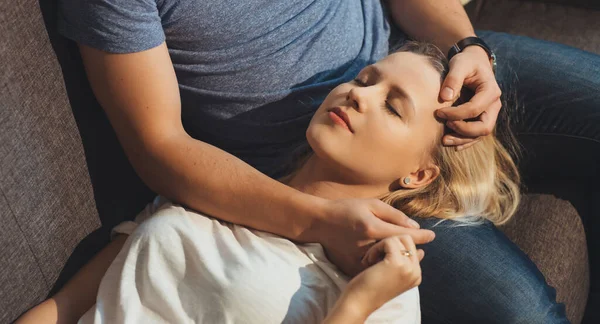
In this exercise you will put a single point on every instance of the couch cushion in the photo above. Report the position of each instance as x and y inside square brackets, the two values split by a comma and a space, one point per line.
[549, 230]
[48, 204]
[565, 24]
[20, 276]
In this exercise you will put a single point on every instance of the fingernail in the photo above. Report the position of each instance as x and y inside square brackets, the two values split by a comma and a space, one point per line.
[441, 114]
[449, 142]
[447, 93]
[414, 224]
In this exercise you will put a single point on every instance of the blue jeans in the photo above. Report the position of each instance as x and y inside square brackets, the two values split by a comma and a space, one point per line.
[476, 274]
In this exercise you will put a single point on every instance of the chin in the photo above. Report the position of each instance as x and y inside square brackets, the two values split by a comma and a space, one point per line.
[332, 151]
[324, 142]
[318, 137]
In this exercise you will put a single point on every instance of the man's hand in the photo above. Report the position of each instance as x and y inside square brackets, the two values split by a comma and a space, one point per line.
[351, 226]
[470, 68]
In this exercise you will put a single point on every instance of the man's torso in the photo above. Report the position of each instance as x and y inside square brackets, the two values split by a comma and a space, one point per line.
[251, 73]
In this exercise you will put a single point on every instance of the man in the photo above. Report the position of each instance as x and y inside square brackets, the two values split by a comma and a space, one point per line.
[206, 97]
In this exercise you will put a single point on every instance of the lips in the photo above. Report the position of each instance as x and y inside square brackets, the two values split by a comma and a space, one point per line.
[339, 116]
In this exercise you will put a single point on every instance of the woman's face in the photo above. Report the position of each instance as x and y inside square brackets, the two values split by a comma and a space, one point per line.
[381, 127]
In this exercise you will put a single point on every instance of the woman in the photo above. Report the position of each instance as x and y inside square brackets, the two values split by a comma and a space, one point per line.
[376, 136]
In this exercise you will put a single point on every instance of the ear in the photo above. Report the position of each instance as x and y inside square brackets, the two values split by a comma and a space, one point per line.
[421, 177]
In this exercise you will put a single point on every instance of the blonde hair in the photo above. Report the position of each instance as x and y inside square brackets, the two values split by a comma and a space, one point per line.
[477, 183]
[481, 182]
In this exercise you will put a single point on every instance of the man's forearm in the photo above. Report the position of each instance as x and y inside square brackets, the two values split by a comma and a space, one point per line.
[442, 22]
[217, 183]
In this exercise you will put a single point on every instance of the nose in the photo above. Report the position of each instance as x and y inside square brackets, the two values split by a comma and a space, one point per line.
[357, 99]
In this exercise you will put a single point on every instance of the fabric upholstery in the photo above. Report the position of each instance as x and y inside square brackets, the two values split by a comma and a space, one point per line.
[21, 279]
[550, 232]
[47, 204]
[575, 26]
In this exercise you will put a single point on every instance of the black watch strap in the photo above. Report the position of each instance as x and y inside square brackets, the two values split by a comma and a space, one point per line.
[469, 41]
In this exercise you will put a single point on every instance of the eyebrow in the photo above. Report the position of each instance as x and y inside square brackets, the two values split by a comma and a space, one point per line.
[397, 89]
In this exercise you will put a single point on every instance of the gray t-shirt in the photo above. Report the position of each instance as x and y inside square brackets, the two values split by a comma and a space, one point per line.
[250, 73]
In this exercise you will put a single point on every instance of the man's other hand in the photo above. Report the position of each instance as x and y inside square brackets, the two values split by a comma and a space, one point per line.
[477, 117]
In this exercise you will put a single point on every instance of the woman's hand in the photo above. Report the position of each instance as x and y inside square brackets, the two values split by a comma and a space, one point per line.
[470, 68]
[391, 273]
[348, 227]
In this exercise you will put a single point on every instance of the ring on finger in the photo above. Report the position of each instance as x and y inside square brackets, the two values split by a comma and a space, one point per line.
[407, 253]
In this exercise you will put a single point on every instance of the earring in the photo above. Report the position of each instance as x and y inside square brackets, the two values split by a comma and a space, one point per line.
[406, 180]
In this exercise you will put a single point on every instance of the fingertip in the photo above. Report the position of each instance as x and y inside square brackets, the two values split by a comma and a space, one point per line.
[449, 141]
[451, 124]
[447, 93]
[413, 223]
[467, 145]
[441, 114]
[431, 235]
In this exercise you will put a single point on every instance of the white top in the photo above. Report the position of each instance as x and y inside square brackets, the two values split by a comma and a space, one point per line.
[179, 266]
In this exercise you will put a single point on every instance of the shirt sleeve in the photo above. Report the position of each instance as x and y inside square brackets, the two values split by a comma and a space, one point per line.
[129, 227]
[116, 26]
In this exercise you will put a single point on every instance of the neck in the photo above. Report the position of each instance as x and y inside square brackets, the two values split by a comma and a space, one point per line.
[322, 180]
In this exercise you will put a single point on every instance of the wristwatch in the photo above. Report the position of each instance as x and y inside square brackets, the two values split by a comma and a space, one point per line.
[469, 41]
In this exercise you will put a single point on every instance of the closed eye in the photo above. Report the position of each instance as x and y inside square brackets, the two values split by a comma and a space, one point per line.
[390, 109]
[360, 83]
[386, 105]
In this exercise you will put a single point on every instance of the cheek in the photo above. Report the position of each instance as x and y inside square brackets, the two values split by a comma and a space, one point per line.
[384, 132]
[377, 155]
[395, 148]
[336, 97]
[386, 148]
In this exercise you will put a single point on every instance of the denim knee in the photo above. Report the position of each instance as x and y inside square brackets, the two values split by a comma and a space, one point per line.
[532, 302]
[475, 274]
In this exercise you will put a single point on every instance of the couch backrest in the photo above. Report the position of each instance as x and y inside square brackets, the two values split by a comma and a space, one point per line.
[54, 191]
[46, 199]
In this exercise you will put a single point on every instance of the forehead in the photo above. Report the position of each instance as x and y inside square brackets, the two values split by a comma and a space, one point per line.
[415, 75]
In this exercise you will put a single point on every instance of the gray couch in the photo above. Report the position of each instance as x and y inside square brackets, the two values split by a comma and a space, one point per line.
[64, 180]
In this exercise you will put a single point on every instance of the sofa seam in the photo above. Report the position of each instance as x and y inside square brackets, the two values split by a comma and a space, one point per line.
[14, 216]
